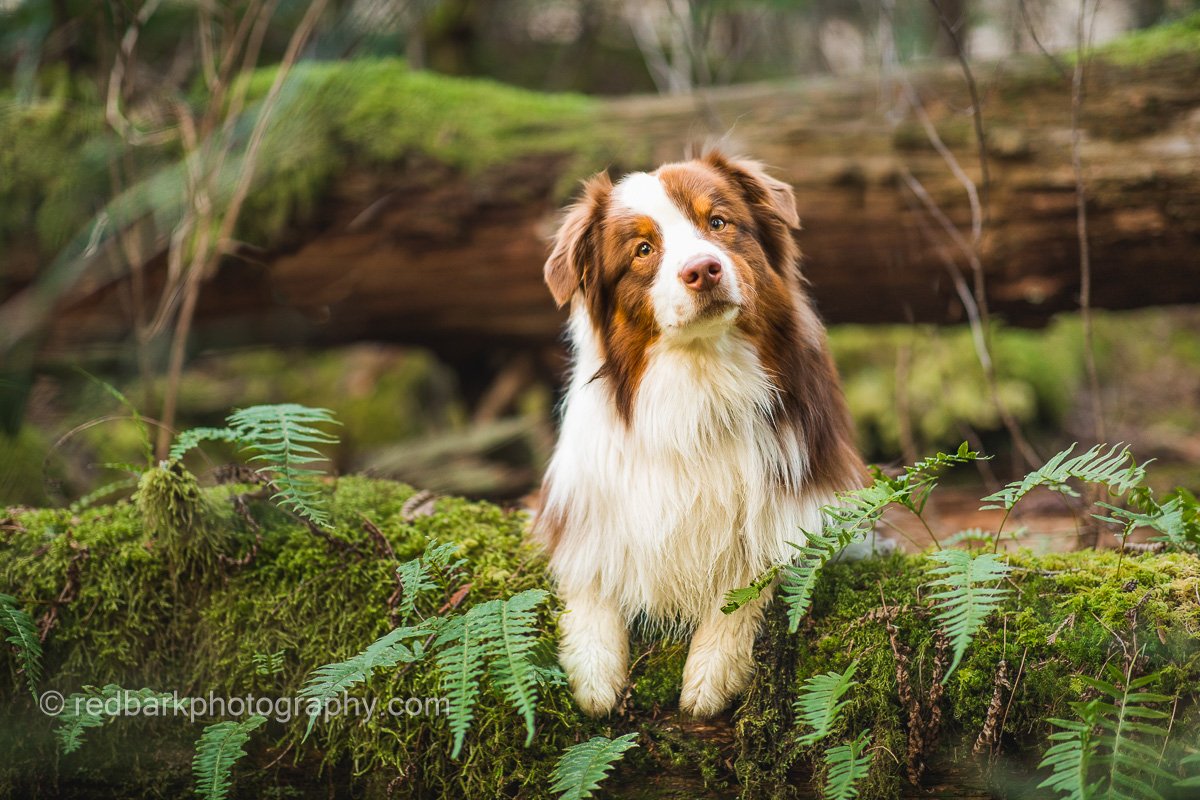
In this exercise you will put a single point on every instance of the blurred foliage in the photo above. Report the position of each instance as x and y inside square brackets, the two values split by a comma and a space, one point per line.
[1147, 380]
[1142, 46]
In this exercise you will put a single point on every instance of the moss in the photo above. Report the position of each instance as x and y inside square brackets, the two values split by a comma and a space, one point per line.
[119, 620]
[1151, 44]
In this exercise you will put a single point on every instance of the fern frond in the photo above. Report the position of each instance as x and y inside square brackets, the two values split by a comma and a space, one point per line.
[965, 602]
[1177, 520]
[23, 636]
[851, 515]
[819, 702]
[218, 748]
[194, 436]
[1192, 764]
[1111, 466]
[848, 764]
[93, 707]
[582, 768]
[1069, 759]
[509, 654]
[800, 577]
[1132, 741]
[330, 681]
[460, 663]
[89, 499]
[1117, 739]
[284, 436]
[415, 575]
[267, 663]
[743, 596]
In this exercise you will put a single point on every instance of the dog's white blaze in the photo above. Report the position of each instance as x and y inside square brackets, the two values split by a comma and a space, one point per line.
[674, 304]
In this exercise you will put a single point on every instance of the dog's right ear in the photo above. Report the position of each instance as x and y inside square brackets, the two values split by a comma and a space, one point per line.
[575, 257]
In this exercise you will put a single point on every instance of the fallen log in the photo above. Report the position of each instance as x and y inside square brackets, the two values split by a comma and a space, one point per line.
[133, 619]
[437, 237]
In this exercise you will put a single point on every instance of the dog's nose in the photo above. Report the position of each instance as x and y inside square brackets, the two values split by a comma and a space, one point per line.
[701, 274]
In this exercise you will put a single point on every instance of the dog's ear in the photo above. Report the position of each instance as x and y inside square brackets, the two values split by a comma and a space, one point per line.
[762, 191]
[574, 258]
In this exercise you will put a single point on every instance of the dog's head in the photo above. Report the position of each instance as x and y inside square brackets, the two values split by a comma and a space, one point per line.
[685, 251]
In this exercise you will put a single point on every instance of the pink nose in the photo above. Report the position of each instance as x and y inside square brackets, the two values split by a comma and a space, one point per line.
[701, 274]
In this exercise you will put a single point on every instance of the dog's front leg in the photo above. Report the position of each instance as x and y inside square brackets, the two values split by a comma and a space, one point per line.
[720, 661]
[594, 650]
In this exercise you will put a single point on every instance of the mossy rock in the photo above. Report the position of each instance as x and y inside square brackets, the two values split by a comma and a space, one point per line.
[121, 619]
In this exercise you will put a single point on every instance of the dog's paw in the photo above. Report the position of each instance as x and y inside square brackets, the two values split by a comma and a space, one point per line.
[597, 694]
[710, 682]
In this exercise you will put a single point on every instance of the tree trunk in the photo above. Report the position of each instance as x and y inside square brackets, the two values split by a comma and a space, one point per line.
[423, 254]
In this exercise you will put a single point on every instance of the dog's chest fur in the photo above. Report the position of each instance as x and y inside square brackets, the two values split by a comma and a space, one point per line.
[696, 494]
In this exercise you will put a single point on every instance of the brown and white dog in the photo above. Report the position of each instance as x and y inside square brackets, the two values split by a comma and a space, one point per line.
[704, 424]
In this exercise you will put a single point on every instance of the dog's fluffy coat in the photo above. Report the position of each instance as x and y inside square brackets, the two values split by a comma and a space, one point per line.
[702, 430]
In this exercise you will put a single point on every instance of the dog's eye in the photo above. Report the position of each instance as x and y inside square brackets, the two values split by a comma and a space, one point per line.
[716, 223]
[644, 249]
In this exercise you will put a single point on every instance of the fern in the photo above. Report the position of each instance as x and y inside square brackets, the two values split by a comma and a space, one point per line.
[582, 768]
[218, 748]
[460, 663]
[415, 576]
[819, 702]
[266, 664]
[111, 701]
[284, 436]
[501, 634]
[510, 666]
[853, 514]
[737, 598]
[800, 577]
[1070, 759]
[1177, 520]
[1192, 764]
[194, 436]
[1113, 749]
[965, 601]
[848, 764]
[330, 681]
[22, 635]
[1111, 466]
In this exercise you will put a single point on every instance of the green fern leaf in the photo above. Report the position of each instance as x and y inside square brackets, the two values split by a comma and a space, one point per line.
[582, 768]
[330, 681]
[460, 663]
[1192, 764]
[848, 764]
[285, 438]
[1111, 466]
[219, 747]
[965, 602]
[194, 436]
[509, 650]
[22, 635]
[1117, 737]
[1177, 520]
[738, 598]
[415, 575]
[819, 702]
[93, 707]
[1069, 759]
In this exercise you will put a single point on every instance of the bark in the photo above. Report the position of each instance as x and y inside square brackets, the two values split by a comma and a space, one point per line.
[421, 254]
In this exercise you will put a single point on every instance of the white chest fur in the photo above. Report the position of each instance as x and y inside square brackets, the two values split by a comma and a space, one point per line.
[698, 494]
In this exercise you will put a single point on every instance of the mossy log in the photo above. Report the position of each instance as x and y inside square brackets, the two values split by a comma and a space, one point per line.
[101, 585]
[416, 208]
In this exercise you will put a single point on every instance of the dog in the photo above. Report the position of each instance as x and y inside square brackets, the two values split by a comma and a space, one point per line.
[703, 426]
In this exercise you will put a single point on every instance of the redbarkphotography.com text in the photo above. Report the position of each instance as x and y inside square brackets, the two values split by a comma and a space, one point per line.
[129, 703]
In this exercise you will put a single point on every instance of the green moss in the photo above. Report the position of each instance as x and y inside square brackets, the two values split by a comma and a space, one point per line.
[1151, 44]
[317, 601]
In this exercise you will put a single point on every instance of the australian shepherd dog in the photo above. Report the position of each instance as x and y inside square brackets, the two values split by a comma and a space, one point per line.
[703, 427]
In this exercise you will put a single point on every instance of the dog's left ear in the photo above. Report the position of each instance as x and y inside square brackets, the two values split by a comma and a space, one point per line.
[763, 192]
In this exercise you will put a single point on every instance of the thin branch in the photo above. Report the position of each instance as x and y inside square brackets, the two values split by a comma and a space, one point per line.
[976, 105]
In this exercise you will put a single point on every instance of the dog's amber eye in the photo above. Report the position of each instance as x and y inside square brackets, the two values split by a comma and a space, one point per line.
[644, 249]
[716, 223]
